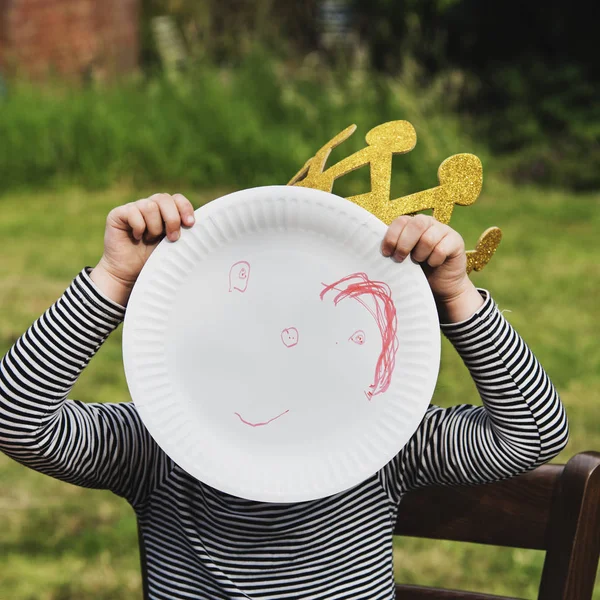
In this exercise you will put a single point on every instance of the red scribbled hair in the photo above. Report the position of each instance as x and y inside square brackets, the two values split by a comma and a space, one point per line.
[355, 286]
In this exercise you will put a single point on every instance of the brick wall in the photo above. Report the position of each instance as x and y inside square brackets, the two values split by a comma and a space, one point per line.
[3, 27]
[69, 37]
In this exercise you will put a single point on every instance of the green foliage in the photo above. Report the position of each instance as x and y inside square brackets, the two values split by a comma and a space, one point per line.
[238, 127]
[553, 118]
[225, 31]
[532, 75]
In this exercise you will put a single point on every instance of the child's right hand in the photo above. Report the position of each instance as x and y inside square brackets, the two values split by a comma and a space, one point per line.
[132, 233]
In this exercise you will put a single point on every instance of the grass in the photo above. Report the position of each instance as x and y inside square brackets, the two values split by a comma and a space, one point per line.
[60, 542]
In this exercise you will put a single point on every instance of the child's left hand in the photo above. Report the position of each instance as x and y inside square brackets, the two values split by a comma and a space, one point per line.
[441, 252]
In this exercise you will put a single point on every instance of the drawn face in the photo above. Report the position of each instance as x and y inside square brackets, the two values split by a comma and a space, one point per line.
[289, 337]
[358, 337]
[371, 306]
[239, 275]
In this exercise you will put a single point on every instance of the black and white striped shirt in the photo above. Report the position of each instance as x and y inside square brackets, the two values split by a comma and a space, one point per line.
[204, 544]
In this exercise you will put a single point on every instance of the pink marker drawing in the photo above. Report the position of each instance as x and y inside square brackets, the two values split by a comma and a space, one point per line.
[264, 422]
[358, 337]
[289, 337]
[238, 276]
[359, 286]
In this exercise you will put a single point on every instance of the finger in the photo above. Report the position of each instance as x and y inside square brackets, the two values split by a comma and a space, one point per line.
[388, 246]
[428, 241]
[151, 213]
[169, 214]
[450, 246]
[411, 234]
[186, 210]
[134, 219]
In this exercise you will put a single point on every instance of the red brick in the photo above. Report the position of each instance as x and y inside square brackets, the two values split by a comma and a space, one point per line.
[69, 36]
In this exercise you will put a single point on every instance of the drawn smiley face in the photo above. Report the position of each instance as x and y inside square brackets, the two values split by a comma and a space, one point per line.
[290, 337]
[377, 306]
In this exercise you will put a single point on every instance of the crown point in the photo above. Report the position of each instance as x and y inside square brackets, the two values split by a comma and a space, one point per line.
[398, 136]
[462, 175]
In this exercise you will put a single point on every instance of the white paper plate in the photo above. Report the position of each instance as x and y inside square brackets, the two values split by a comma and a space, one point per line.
[247, 372]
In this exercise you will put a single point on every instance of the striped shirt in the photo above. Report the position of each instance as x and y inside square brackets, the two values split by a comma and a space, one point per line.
[200, 543]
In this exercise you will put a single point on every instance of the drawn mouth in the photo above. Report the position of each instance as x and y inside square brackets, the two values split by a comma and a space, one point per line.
[263, 423]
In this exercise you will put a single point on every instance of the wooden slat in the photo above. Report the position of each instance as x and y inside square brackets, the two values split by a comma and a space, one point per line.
[514, 512]
[574, 538]
[412, 592]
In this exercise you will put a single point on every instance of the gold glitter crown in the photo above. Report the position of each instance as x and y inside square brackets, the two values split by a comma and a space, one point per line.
[460, 177]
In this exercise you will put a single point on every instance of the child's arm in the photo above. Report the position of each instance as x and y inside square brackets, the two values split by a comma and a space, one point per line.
[92, 445]
[522, 423]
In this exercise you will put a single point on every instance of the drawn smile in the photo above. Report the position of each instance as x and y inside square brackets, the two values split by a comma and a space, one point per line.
[263, 423]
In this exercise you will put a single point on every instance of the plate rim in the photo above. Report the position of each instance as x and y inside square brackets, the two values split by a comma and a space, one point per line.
[127, 342]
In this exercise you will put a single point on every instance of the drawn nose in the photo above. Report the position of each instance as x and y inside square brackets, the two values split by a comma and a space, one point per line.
[289, 337]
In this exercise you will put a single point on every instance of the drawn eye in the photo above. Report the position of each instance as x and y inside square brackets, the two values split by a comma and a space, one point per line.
[358, 337]
[243, 274]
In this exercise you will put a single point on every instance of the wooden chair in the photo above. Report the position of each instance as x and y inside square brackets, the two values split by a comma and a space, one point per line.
[555, 508]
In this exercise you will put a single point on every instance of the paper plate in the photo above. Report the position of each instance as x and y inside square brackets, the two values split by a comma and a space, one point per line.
[274, 353]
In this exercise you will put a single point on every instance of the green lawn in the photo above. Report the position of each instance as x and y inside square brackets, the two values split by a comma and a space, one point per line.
[60, 542]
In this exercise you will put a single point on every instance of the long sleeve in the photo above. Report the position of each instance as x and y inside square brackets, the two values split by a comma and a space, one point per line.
[92, 445]
[521, 425]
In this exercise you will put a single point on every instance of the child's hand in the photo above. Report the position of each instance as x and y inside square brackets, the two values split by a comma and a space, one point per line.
[441, 252]
[132, 233]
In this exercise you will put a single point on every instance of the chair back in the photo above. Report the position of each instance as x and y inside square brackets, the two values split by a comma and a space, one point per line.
[555, 508]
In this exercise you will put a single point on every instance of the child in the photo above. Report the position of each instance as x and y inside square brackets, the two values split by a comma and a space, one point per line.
[200, 543]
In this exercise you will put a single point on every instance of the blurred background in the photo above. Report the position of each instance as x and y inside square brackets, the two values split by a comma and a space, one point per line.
[104, 103]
